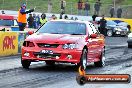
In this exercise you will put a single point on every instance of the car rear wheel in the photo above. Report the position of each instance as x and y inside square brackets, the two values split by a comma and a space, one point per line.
[109, 33]
[101, 63]
[50, 63]
[83, 60]
[25, 63]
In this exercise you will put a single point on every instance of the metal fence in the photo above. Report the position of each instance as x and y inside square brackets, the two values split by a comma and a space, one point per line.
[71, 7]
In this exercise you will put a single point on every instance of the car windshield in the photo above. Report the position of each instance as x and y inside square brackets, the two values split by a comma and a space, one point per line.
[111, 23]
[60, 27]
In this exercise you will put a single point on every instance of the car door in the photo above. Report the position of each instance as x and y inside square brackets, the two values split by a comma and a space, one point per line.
[92, 45]
[99, 40]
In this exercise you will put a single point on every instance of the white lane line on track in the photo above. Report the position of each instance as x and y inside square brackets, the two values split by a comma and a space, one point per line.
[116, 45]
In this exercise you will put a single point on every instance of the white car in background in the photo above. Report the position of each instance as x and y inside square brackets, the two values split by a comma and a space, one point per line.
[129, 40]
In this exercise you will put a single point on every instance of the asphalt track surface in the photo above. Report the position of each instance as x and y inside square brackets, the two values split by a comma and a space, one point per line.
[12, 75]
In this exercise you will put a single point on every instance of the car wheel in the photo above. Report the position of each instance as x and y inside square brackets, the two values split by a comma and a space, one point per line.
[50, 63]
[83, 60]
[25, 63]
[129, 46]
[101, 63]
[109, 33]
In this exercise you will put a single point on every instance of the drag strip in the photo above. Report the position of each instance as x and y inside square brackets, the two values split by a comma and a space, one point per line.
[12, 75]
[41, 75]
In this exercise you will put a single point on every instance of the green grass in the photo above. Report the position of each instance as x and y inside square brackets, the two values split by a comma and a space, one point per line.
[42, 5]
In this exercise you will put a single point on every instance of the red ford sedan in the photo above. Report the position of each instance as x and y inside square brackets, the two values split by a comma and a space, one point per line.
[65, 41]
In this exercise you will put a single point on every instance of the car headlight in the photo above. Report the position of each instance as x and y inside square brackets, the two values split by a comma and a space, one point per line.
[28, 44]
[69, 46]
[117, 29]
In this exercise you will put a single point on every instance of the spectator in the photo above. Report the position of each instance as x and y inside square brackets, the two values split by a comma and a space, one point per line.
[76, 18]
[63, 5]
[97, 7]
[22, 17]
[53, 17]
[66, 17]
[49, 6]
[2, 12]
[34, 21]
[43, 19]
[112, 12]
[119, 12]
[72, 18]
[87, 8]
[61, 16]
[103, 29]
[80, 4]
[30, 21]
[94, 17]
[37, 21]
[94, 21]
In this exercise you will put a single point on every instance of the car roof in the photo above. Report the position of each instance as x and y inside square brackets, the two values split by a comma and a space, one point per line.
[65, 20]
[7, 17]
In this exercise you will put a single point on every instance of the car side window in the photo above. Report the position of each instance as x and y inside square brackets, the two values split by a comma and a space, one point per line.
[90, 30]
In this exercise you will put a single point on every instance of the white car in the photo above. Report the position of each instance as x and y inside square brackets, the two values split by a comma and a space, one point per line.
[129, 40]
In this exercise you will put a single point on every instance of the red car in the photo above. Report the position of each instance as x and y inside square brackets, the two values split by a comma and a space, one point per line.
[66, 41]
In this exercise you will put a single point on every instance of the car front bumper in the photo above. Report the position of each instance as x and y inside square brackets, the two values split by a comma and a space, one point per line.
[63, 55]
[121, 32]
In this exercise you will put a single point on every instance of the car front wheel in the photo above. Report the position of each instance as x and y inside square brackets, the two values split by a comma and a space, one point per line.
[25, 63]
[109, 33]
[101, 63]
[83, 60]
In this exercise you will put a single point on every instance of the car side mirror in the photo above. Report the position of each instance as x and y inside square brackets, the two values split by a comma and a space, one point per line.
[93, 35]
[30, 32]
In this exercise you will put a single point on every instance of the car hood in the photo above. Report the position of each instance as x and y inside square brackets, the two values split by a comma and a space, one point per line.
[54, 38]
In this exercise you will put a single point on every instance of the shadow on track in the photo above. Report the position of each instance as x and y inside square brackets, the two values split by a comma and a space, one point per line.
[58, 68]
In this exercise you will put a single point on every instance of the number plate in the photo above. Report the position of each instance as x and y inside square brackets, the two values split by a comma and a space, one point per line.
[47, 51]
